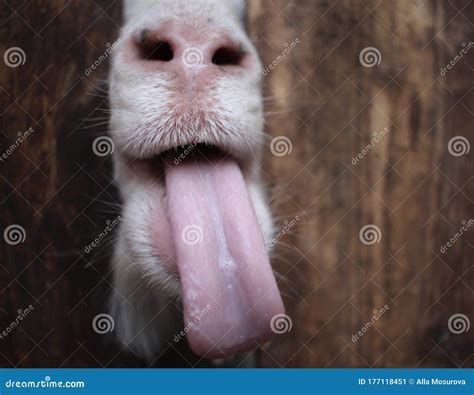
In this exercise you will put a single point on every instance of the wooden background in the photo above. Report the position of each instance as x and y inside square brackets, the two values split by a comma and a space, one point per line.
[328, 105]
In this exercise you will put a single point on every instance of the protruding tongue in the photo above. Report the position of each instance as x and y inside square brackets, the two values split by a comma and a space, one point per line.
[228, 288]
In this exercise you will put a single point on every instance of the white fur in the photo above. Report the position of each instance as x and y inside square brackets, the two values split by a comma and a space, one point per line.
[134, 9]
[145, 120]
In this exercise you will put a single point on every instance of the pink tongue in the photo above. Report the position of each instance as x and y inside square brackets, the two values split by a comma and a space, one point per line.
[228, 288]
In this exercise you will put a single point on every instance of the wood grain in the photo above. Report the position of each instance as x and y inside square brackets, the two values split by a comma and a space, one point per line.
[408, 185]
[328, 105]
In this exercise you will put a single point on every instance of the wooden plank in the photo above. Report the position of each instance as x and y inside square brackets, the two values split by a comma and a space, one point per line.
[50, 181]
[408, 185]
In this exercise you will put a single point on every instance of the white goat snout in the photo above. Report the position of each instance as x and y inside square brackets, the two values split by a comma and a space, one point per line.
[187, 123]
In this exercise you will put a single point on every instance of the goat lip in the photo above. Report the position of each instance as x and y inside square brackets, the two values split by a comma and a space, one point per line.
[229, 292]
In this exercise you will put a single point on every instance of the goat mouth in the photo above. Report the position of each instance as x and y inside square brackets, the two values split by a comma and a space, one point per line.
[220, 253]
[215, 241]
[203, 151]
[196, 149]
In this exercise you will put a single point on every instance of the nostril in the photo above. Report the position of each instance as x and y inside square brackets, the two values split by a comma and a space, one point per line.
[226, 56]
[160, 50]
